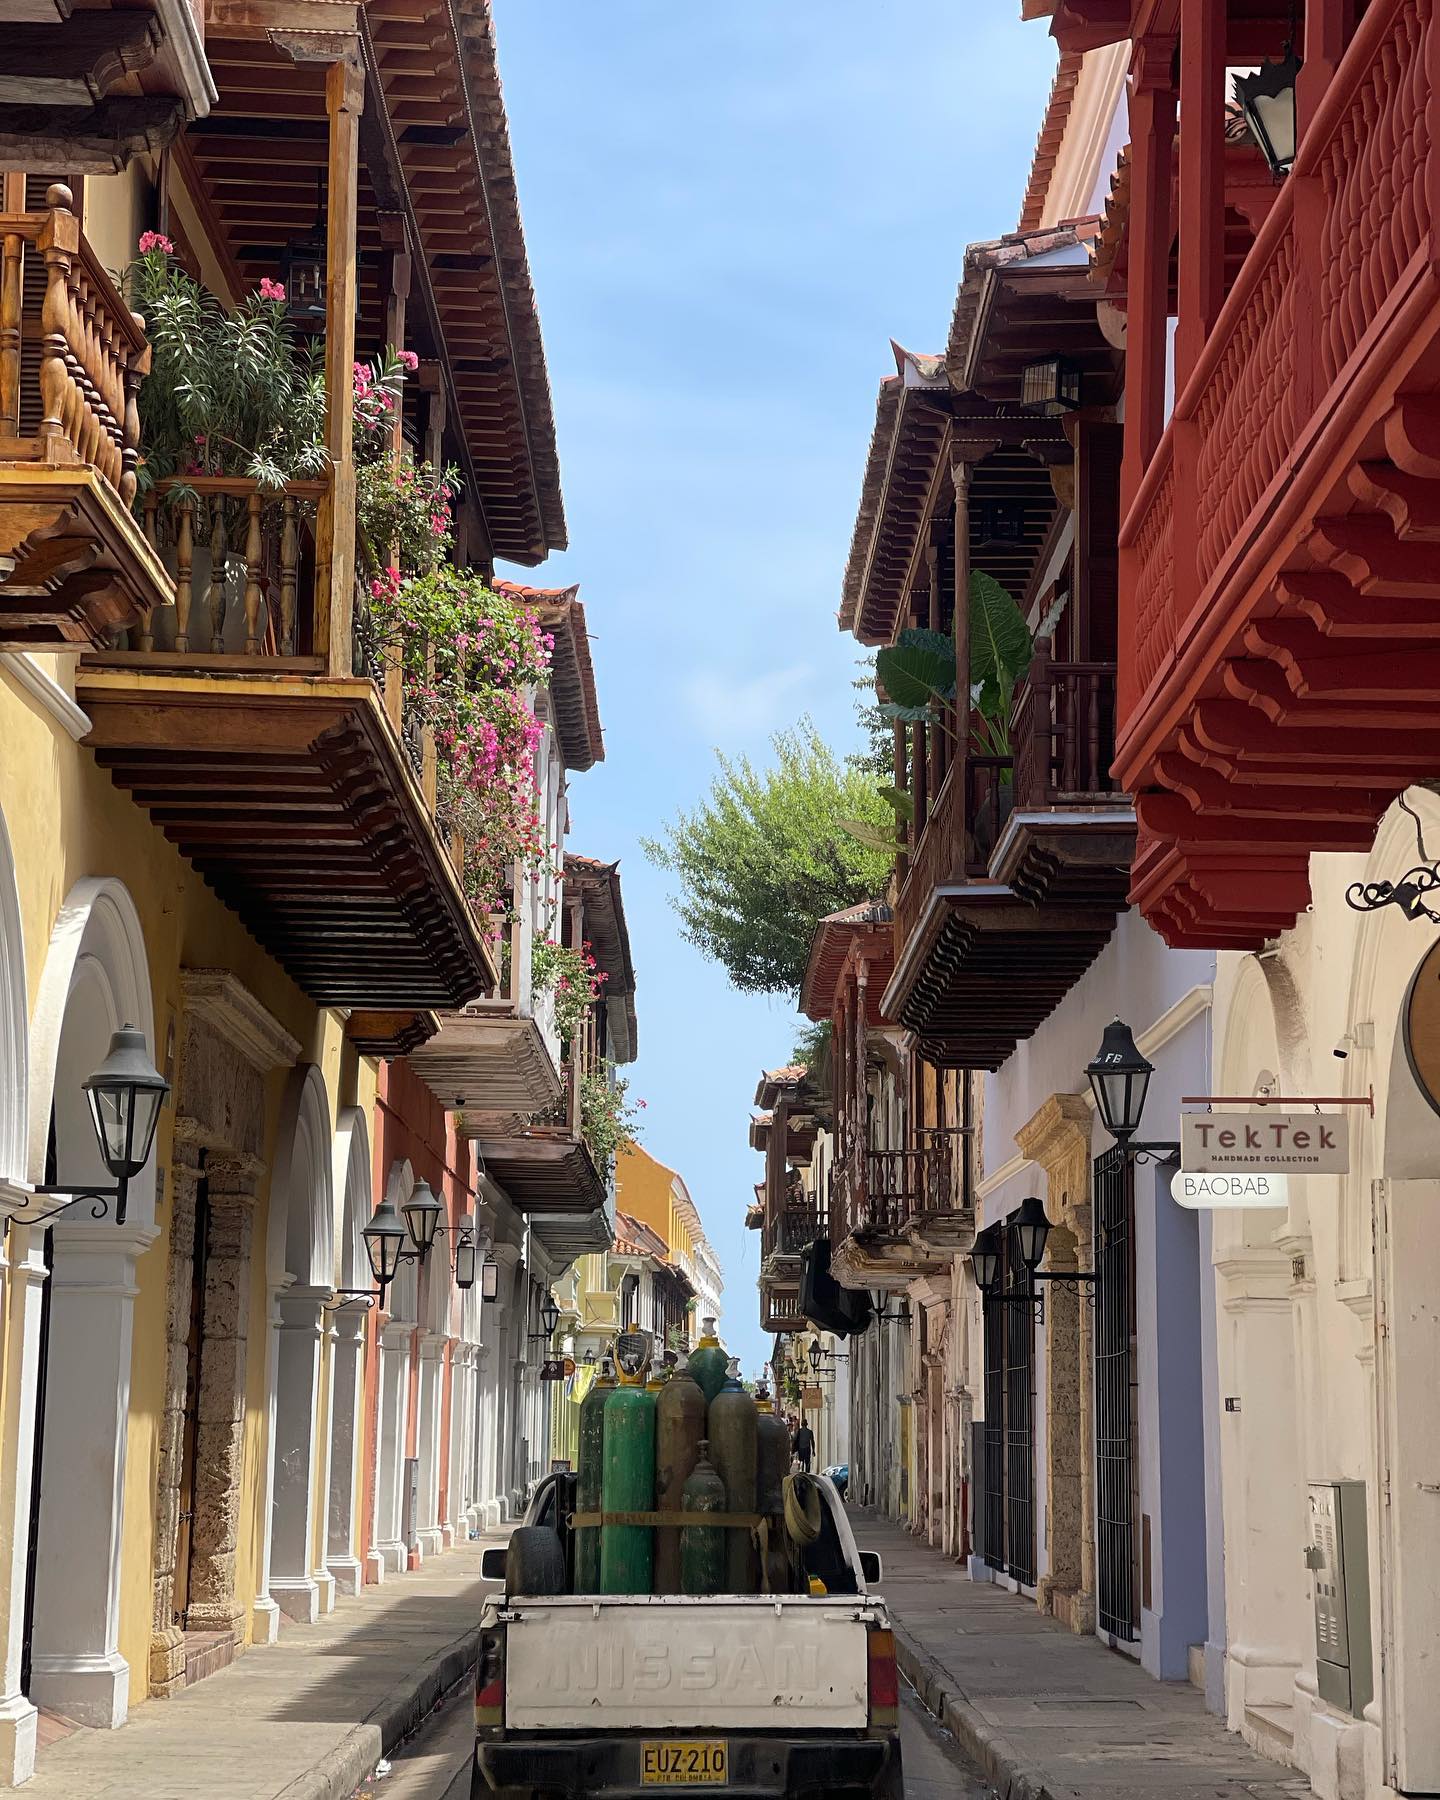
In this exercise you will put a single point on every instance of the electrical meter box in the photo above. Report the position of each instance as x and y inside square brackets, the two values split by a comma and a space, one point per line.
[1337, 1557]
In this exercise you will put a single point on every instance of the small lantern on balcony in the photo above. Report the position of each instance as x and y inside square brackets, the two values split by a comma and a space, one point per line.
[1267, 98]
[994, 522]
[1050, 388]
[302, 270]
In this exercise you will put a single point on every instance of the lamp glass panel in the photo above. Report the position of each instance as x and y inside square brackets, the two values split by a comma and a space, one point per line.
[422, 1216]
[1031, 1229]
[489, 1281]
[985, 1259]
[383, 1249]
[1272, 118]
[464, 1264]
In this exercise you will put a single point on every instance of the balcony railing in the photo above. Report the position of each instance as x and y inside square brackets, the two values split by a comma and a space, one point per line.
[72, 354]
[896, 1185]
[1063, 731]
[796, 1228]
[1275, 377]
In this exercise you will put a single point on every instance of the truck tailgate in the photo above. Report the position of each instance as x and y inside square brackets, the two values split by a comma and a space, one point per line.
[612, 1664]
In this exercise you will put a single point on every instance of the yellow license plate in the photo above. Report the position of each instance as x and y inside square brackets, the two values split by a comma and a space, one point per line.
[685, 1762]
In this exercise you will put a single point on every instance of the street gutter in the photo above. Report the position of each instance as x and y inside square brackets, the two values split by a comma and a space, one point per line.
[994, 1755]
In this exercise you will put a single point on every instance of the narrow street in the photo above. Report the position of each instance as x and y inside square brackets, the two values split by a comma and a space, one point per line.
[435, 1764]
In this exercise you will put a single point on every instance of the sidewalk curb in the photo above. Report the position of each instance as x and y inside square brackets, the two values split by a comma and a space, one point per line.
[994, 1755]
[350, 1762]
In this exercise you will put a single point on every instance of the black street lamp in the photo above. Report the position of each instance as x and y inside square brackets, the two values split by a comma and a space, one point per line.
[390, 1242]
[1119, 1079]
[1050, 388]
[549, 1319]
[125, 1095]
[879, 1299]
[1029, 1229]
[465, 1254]
[985, 1259]
[423, 1213]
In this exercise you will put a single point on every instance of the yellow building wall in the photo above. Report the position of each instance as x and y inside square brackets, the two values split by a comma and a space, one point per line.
[642, 1189]
[67, 820]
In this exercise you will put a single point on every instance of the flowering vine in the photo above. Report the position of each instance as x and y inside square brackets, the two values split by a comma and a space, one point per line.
[403, 509]
[608, 1117]
[573, 976]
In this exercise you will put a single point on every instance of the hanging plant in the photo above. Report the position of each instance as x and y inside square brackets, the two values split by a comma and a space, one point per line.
[574, 978]
[403, 510]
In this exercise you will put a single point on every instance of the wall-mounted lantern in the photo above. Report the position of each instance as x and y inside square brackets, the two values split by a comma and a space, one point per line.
[125, 1095]
[1267, 98]
[1050, 388]
[1029, 1229]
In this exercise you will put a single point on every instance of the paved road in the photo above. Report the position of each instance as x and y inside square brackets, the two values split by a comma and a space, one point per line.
[435, 1765]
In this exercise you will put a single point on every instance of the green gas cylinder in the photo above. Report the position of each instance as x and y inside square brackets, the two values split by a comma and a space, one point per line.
[702, 1547]
[679, 1431]
[772, 1465]
[628, 1485]
[589, 1473]
[708, 1362]
[732, 1434]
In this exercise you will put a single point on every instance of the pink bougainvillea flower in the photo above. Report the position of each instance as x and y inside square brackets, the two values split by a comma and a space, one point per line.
[155, 240]
[271, 290]
[409, 360]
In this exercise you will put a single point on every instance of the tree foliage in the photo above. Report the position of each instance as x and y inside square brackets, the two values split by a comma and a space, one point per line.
[762, 858]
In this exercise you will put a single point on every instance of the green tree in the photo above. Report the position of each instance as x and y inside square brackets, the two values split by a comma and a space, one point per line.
[763, 857]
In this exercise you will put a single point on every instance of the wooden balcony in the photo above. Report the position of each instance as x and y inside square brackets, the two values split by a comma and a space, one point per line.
[1018, 874]
[784, 1238]
[1279, 582]
[899, 1215]
[493, 1063]
[780, 1309]
[545, 1166]
[261, 744]
[74, 563]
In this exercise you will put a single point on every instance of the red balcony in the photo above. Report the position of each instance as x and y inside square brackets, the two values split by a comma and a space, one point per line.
[1279, 582]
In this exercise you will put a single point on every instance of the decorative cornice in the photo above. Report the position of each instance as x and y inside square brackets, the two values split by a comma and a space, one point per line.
[233, 1012]
[49, 693]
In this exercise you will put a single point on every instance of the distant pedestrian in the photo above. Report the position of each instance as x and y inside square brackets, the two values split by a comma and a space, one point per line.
[803, 1444]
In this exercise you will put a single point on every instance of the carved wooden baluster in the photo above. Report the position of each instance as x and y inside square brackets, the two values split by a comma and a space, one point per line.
[114, 392]
[80, 358]
[184, 554]
[253, 593]
[1095, 779]
[289, 567]
[219, 550]
[147, 632]
[137, 367]
[57, 399]
[11, 298]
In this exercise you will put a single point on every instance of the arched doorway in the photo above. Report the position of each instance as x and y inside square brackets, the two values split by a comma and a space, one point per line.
[397, 1335]
[347, 1355]
[299, 1260]
[96, 978]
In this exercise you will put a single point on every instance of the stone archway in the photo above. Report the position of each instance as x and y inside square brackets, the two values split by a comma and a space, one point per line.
[96, 978]
[299, 1263]
[1057, 1140]
[228, 1043]
[347, 1355]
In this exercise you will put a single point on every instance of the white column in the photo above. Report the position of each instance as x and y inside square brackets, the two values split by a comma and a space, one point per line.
[264, 1609]
[294, 1545]
[486, 1417]
[325, 1412]
[458, 1510]
[430, 1399]
[390, 1470]
[76, 1662]
[347, 1399]
[22, 1282]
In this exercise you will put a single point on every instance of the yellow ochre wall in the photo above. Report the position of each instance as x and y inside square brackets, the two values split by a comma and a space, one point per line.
[67, 820]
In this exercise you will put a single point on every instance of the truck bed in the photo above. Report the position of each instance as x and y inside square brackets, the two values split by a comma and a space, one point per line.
[730, 1664]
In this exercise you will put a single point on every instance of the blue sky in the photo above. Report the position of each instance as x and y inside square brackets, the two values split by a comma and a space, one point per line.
[730, 210]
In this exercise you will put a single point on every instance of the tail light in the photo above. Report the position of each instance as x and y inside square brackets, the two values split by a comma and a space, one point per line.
[884, 1679]
[490, 1682]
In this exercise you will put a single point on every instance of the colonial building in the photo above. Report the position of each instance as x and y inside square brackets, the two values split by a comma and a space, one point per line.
[1270, 240]
[223, 823]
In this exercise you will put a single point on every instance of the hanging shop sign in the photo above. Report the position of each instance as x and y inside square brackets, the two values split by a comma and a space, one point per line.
[1422, 1026]
[1265, 1143]
[553, 1370]
[812, 1399]
[1252, 1188]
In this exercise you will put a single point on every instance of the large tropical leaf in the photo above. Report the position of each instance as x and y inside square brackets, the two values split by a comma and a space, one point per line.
[918, 669]
[1000, 647]
[902, 801]
[906, 715]
[873, 837]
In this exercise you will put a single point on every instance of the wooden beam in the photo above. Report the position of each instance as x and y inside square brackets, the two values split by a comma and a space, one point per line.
[258, 18]
[335, 528]
[88, 140]
[78, 65]
[1202, 179]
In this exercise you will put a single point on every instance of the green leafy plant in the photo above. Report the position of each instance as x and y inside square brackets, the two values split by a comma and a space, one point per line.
[918, 671]
[763, 858]
[609, 1121]
[403, 509]
[574, 978]
[229, 393]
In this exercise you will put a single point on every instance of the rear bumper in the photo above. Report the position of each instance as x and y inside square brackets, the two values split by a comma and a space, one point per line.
[761, 1768]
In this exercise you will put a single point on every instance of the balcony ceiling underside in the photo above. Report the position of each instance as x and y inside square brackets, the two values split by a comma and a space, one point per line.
[260, 160]
[1300, 698]
[544, 1172]
[565, 1236]
[375, 1033]
[890, 1262]
[74, 564]
[1257, 29]
[489, 1060]
[294, 802]
[986, 969]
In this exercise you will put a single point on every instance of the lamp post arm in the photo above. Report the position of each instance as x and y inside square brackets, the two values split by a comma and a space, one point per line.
[99, 1198]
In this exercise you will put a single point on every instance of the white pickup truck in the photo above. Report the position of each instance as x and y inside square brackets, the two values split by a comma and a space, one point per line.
[780, 1696]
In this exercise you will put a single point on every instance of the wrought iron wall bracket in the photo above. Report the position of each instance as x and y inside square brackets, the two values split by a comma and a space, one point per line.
[98, 1197]
[1081, 1282]
[347, 1296]
[1153, 1153]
